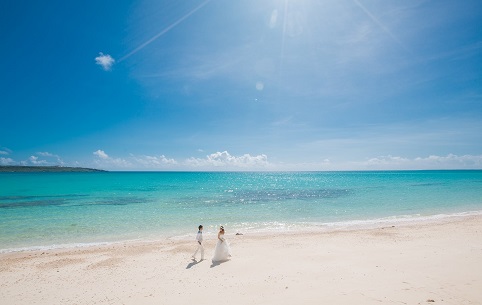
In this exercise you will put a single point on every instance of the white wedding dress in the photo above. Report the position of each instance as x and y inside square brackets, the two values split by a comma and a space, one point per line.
[222, 252]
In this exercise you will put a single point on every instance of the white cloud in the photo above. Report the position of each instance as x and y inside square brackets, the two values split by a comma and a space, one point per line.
[389, 162]
[105, 61]
[218, 160]
[154, 161]
[105, 161]
[450, 161]
[226, 160]
[113, 163]
[35, 161]
[6, 161]
[50, 155]
[47, 154]
[5, 151]
[133, 162]
[101, 154]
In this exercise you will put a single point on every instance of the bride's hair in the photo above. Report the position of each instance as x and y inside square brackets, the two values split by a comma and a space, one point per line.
[221, 227]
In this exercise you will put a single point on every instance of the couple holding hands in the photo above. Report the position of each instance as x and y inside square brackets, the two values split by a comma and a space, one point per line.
[222, 252]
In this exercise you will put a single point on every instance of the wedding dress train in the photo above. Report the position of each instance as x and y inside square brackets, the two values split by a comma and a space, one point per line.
[222, 252]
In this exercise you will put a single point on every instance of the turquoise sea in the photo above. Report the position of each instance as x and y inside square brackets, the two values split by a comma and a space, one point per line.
[45, 210]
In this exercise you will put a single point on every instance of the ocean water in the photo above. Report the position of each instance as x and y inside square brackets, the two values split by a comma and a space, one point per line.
[66, 209]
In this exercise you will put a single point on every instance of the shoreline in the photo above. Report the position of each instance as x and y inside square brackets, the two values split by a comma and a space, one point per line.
[297, 228]
[409, 264]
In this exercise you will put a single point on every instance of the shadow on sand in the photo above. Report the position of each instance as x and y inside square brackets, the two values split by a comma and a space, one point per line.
[193, 263]
[217, 263]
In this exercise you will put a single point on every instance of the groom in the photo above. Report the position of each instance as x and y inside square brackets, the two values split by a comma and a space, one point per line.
[199, 239]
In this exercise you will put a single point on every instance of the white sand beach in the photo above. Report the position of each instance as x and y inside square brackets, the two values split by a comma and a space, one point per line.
[431, 263]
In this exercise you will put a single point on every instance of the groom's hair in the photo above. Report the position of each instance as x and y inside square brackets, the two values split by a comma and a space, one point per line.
[200, 227]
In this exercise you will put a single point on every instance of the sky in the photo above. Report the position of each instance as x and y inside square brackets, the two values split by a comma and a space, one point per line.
[202, 85]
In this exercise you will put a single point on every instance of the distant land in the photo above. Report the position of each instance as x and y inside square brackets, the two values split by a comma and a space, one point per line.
[47, 169]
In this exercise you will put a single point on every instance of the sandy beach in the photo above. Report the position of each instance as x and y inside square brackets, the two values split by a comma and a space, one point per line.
[431, 263]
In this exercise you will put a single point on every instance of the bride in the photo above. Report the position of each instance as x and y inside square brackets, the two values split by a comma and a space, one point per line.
[222, 252]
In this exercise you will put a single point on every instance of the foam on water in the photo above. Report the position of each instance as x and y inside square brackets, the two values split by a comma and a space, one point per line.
[272, 228]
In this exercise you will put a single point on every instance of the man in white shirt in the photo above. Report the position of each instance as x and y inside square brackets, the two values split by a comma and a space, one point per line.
[199, 239]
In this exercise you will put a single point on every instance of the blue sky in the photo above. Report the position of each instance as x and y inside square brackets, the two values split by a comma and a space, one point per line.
[242, 85]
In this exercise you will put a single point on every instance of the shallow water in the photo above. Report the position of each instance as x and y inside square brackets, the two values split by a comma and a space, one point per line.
[52, 209]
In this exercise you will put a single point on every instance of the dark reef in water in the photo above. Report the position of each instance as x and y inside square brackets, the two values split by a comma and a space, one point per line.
[46, 169]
